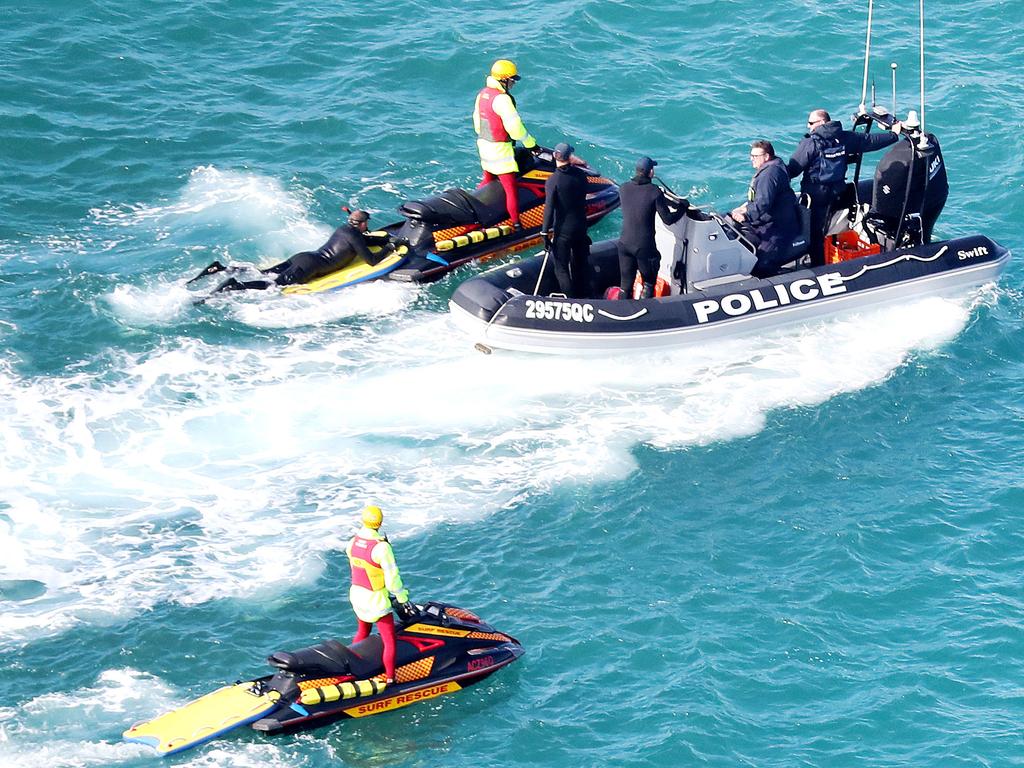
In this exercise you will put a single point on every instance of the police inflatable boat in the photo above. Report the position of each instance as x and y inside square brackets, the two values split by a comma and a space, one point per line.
[877, 251]
[446, 231]
[441, 649]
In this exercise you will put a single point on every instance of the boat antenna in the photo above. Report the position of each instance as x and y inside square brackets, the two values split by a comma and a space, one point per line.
[867, 56]
[666, 186]
[893, 66]
[923, 141]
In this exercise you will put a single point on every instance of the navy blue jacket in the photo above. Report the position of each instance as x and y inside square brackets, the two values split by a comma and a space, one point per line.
[807, 158]
[771, 204]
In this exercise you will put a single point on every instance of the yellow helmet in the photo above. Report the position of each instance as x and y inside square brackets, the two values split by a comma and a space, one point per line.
[372, 517]
[503, 69]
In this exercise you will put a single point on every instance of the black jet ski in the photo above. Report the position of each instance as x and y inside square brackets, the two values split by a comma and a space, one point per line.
[448, 230]
[878, 250]
[456, 227]
[440, 649]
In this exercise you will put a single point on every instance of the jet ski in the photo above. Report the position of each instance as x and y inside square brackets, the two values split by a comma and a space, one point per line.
[878, 250]
[445, 231]
[456, 227]
[440, 649]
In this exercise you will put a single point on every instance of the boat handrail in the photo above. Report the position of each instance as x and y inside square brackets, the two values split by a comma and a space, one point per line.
[729, 225]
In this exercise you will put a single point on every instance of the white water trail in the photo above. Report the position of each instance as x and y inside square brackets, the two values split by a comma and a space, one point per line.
[164, 477]
[82, 727]
[237, 218]
[166, 481]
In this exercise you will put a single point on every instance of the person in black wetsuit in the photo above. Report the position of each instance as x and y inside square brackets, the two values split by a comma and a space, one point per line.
[822, 156]
[565, 223]
[348, 242]
[769, 217]
[640, 199]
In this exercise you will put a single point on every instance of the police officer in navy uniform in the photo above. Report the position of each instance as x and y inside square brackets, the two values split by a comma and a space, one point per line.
[641, 200]
[565, 223]
[769, 217]
[822, 157]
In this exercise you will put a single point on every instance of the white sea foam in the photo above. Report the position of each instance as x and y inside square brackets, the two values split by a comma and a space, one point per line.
[224, 214]
[165, 482]
[242, 200]
[143, 306]
[168, 302]
[81, 728]
[372, 299]
[245, 218]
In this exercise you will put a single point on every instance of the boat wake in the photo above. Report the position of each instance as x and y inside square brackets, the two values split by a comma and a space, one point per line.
[82, 727]
[163, 479]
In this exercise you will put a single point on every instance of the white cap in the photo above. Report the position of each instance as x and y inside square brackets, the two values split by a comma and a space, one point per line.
[912, 121]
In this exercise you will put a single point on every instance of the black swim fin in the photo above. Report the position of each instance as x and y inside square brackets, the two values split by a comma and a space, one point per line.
[211, 269]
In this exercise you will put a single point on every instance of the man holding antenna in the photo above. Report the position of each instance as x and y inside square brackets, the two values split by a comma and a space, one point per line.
[641, 201]
[822, 157]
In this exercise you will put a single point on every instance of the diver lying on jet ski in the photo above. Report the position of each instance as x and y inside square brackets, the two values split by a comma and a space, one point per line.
[437, 234]
[348, 242]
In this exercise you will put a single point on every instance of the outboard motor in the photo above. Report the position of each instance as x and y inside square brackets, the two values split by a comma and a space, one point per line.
[908, 194]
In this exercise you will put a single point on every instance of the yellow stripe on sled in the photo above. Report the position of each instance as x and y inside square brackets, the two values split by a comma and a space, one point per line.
[355, 272]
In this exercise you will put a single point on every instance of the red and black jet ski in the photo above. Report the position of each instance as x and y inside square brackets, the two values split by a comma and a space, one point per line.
[440, 649]
[438, 234]
[451, 229]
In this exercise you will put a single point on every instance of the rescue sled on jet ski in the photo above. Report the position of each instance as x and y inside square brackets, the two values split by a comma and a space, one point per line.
[878, 251]
[446, 231]
[440, 649]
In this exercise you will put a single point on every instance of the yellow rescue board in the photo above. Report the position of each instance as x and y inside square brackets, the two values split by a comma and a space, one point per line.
[356, 272]
[204, 719]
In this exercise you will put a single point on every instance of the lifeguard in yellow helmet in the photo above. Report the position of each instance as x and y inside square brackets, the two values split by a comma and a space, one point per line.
[498, 127]
[375, 578]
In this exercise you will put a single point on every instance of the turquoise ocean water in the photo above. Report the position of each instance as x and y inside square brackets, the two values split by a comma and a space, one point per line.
[800, 549]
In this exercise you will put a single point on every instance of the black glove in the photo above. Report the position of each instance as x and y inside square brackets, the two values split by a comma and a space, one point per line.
[406, 610]
[536, 149]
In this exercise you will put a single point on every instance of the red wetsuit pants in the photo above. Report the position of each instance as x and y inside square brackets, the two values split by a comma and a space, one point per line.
[508, 183]
[386, 627]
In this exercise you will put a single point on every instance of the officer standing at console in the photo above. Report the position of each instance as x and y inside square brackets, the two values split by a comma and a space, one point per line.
[640, 200]
[822, 157]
